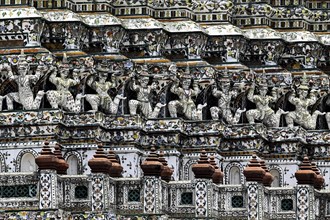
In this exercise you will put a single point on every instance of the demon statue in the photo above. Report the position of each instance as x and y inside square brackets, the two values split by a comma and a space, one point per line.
[62, 97]
[263, 111]
[144, 91]
[302, 100]
[185, 105]
[102, 86]
[25, 82]
[225, 96]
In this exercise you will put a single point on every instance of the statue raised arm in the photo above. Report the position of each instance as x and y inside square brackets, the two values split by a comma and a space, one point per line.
[25, 81]
[62, 97]
[185, 104]
[263, 111]
[143, 101]
[302, 100]
[225, 96]
[102, 86]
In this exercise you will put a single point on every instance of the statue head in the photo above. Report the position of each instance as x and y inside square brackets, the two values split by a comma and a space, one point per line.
[263, 89]
[225, 86]
[22, 65]
[186, 82]
[302, 92]
[303, 88]
[173, 69]
[64, 67]
[102, 71]
[144, 80]
[89, 62]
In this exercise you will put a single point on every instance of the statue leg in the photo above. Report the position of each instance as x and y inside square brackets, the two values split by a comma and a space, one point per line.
[199, 112]
[70, 104]
[133, 104]
[156, 111]
[10, 98]
[252, 115]
[1, 100]
[94, 101]
[77, 103]
[37, 100]
[237, 115]
[114, 105]
[215, 112]
[172, 108]
[289, 118]
[327, 117]
[53, 98]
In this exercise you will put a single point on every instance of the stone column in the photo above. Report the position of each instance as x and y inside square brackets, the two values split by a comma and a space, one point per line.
[114, 172]
[47, 163]
[152, 196]
[100, 167]
[254, 175]
[305, 191]
[203, 172]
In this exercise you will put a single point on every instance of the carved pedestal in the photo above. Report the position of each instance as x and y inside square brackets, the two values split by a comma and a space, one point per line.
[203, 198]
[255, 192]
[152, 194]
[100, 190]
[48, 190]
[305, 202]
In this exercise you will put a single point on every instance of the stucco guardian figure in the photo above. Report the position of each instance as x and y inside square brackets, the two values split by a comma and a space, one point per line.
[144, 90]
[102, 86]
[302, 100]
[225, 96]
[25, 81]
[62, 97]
[263, 111]
[185, 104]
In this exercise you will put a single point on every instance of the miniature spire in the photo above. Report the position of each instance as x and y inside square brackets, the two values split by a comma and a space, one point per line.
[167, 172]
[268, 177]
[99, 163]
[305, 174]
[253, 171]
[46, 160]
[116, 169]
[319, 180]
[203, 168]
[217, 176]
[152, 166]
[62, 165]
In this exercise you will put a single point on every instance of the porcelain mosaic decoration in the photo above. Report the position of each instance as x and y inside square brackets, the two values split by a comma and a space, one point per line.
[233, 78]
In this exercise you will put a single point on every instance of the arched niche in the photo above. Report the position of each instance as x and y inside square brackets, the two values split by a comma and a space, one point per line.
[73, 165]
[234, 176]
[234, 173]
[277, 181]
[2, 163]
[28, 163]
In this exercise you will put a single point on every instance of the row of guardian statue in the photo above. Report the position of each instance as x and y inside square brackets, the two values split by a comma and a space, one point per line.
[139, 93]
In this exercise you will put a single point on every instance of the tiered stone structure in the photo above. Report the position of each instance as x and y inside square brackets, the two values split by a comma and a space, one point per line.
[245, 80]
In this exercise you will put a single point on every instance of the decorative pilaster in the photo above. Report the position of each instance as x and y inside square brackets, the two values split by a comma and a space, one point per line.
[305, 191]
[48, 185]
[255, 200]
[100, 188]
[151, 194]
[203, 172]
[152, 169]
[100, 166]
[47, 163]
[254, 175]
[305, 202]
[203, 198]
